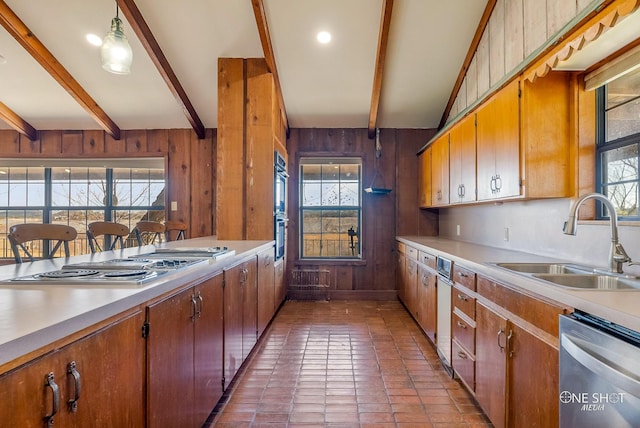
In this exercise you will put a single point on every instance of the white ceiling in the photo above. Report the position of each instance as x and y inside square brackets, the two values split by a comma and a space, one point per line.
[322, 85]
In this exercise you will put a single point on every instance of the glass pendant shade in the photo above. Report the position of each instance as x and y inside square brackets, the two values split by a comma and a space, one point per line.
[116, 52]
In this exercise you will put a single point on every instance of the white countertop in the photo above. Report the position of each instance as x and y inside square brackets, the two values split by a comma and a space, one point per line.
[621, 307]
[33, 316]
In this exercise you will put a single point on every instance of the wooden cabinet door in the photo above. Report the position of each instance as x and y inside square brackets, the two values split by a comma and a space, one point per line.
[233, 302]
[529, 357]
[411, 286]
[424, 185]
[400, 277]
[110, 366]
[208, 352]
[249, 307]
[170, 361]
[491, 363]
[25, 400]
[462, 161]
[280, 283]
[498, 145]
[266, 290]
[427, 301]
[440, 171]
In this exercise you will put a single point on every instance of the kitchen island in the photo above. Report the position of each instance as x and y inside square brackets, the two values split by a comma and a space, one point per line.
[112, 342]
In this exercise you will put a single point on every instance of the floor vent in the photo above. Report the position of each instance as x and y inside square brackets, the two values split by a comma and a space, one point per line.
[308, 284]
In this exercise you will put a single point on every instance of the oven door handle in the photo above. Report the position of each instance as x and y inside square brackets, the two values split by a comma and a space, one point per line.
[587, 356]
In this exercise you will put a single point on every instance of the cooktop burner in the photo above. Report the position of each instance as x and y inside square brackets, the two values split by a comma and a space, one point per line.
[70, 273]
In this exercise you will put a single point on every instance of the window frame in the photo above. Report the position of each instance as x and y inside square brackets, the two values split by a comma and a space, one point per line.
[325, 160]
[603, 146]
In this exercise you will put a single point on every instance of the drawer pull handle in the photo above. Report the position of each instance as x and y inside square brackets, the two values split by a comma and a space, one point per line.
[50, 383]
[462, 297]
[461, 325]
[462, 355]
[73, 402]
[464, 275]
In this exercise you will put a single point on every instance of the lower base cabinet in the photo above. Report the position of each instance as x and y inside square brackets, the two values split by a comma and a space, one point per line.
[185, 356]
[266, 289]
[90, 382]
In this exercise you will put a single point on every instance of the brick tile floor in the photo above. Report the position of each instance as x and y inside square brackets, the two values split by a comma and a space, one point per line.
[346, 364]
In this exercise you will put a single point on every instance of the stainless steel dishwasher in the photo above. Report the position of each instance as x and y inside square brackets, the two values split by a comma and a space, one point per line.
[599, 373]
[444, 267]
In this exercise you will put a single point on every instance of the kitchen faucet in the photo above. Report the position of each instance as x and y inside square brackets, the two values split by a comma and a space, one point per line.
[617, 254]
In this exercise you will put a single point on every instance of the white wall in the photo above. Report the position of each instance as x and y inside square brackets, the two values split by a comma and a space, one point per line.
[536, 227]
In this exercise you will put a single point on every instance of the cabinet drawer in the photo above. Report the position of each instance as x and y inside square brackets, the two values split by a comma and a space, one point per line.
[464, 277]
[410, 252]
[427, 259]
[463, 364]
[464, 333]
[464, 302]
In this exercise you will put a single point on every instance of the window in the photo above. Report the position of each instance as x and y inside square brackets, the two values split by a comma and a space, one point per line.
[78, 193]
[617, 145]
[330, 207]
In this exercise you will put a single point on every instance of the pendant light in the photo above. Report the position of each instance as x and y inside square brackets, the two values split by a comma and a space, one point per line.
[116, 52]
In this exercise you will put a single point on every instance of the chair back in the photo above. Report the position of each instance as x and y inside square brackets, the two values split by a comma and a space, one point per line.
[20, 234]
[148, 232]
[115, 231]
[177, 228]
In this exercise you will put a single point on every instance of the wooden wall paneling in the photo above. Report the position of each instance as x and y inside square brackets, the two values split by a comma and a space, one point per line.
[136, 141]
[29, 146]
[461, 99]
[72, 143]
[93, 142]
[496, 44]
[113, 146]
[586, 150]
[483, 72]
[230, 150]
[472, 81]
[202, 192]
[158, 141]
[212, 136]
[514, 34]
[559, 13]
[343, 277]
[9, 142]
[535, 25]
[179, 173]
[51, 142]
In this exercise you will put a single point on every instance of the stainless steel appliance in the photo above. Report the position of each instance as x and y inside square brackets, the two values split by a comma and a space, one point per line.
[280, 198]
[132, 271]
[599, 373]
[444, 267]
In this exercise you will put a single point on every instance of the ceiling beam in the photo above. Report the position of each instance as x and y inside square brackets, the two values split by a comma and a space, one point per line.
[17, 123]
[14, 26]
[267, 49]
[142, 30]
[381, 54]
[484, 21]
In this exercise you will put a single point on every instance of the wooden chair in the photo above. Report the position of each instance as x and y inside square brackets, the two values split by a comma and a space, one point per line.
[148, 232]
[177, 227]
[107, 229]
[21, 234]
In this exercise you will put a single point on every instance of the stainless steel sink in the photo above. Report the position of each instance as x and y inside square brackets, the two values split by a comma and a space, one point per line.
[591, 281]
[554, 268]
[577, 277]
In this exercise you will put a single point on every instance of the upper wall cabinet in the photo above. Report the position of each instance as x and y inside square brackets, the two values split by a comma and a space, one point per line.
[498, 145]
[440, 171]
[424, 175]
[462, 161]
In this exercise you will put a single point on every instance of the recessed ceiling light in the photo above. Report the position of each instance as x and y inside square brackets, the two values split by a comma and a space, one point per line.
[324, 37]
[3, 60]
[94, 40]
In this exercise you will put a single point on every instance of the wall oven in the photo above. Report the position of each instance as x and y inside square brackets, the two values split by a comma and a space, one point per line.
[280, 205]
[599, 373]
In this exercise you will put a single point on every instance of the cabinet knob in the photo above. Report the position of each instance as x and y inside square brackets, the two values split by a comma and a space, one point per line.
[461, 325]
[462, 355]
[462, 297]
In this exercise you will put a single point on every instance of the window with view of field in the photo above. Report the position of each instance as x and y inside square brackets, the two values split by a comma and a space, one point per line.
[76, 196]
[330, 208]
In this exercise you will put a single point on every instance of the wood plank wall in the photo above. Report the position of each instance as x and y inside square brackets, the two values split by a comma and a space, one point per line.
[190, 163]
[383, 216]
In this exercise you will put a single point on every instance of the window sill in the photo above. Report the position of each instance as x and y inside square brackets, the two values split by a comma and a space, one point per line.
[606, 222]
[330, 262]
